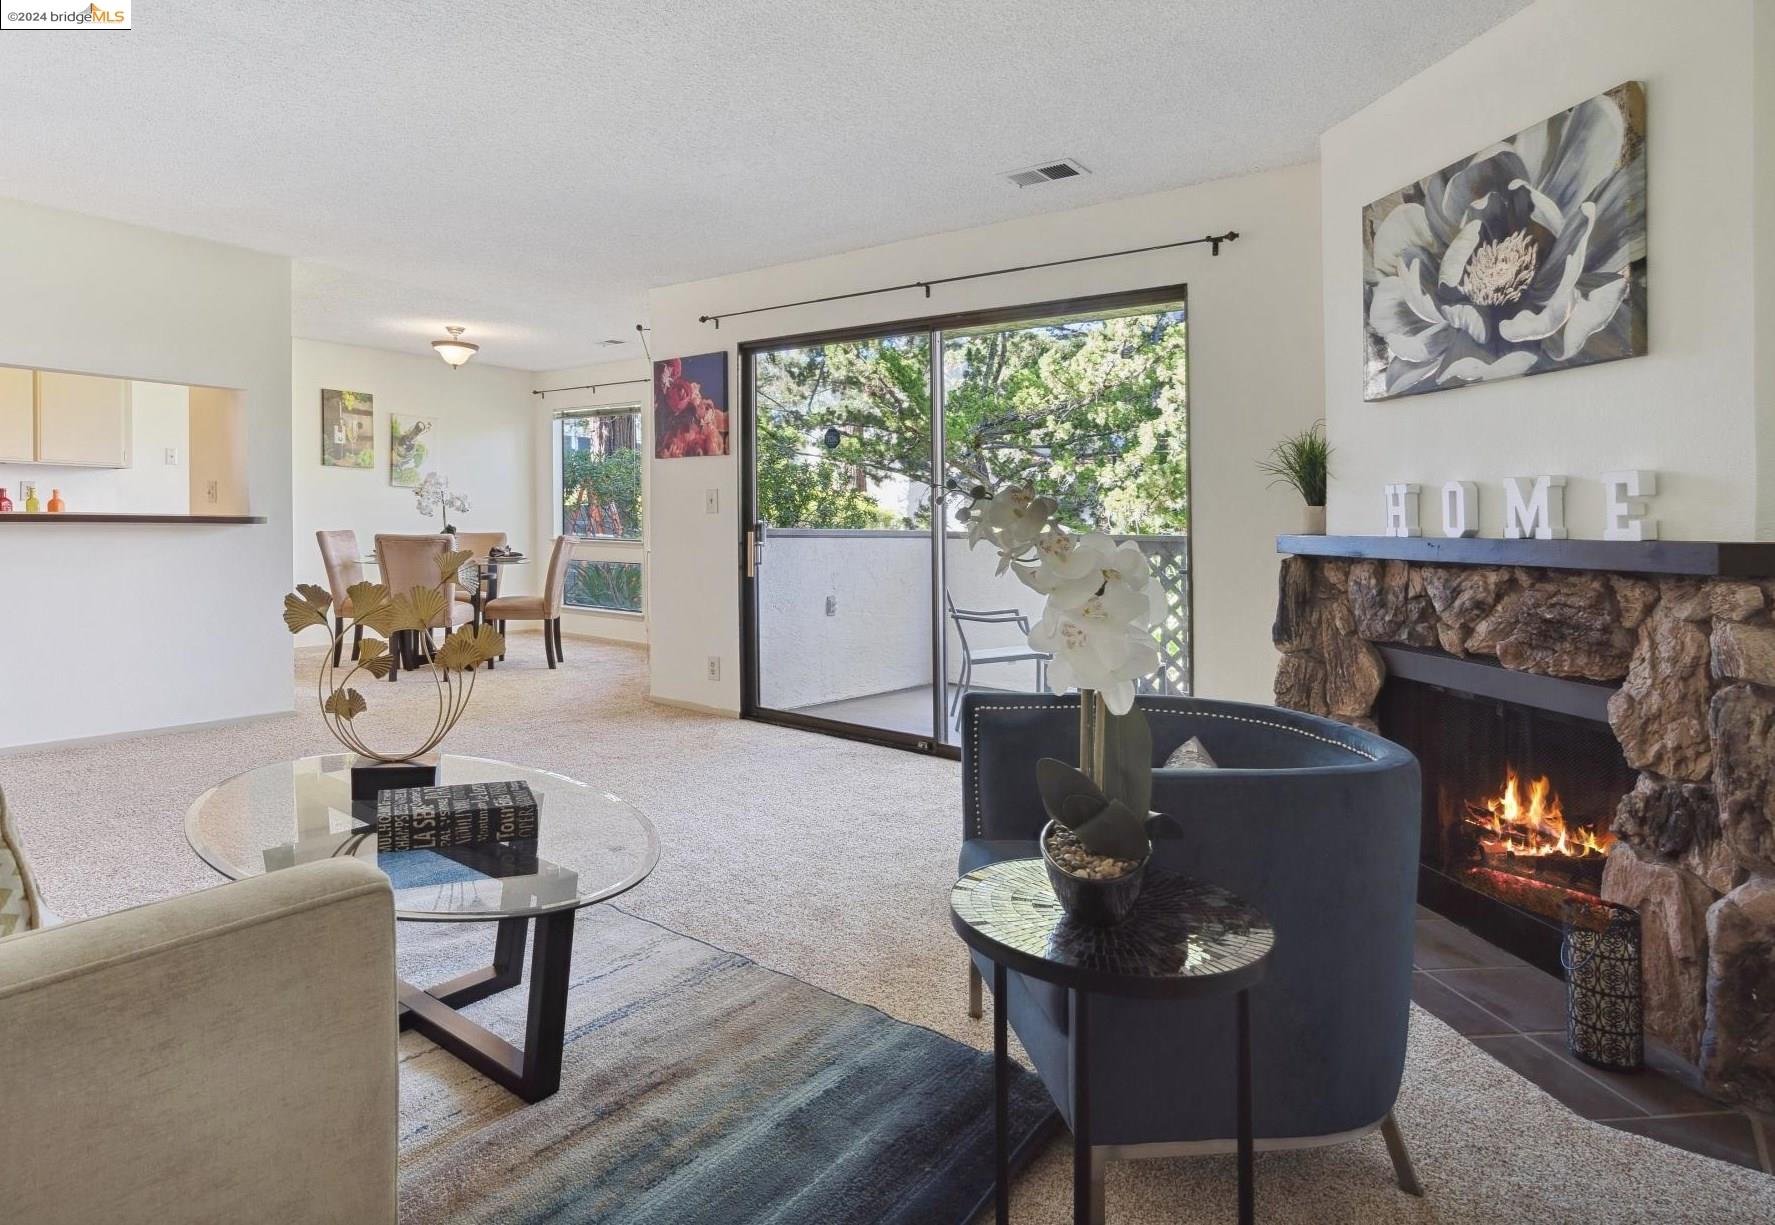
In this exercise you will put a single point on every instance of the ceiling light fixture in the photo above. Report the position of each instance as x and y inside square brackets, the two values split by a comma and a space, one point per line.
[455, 350]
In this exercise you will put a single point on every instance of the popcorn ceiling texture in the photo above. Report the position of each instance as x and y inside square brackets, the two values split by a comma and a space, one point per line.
[530, 169]
[831, 861]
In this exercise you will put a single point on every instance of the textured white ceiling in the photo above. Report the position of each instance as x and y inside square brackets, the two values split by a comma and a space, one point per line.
[531, 168]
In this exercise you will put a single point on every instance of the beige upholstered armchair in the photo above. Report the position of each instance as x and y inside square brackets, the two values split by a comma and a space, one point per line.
[229, 1055]
[412, 561]
[338, 553]
[545, 608]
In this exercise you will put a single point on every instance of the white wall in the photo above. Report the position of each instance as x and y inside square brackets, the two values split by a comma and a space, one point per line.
[615, 387]
[132, 626]
[158, 420]
[1763, 105]
[1689, 407]
[1255, 373]
[484, 440]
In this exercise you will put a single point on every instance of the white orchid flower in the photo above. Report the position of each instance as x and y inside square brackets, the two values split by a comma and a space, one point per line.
[1101, 602]
[1094, 649]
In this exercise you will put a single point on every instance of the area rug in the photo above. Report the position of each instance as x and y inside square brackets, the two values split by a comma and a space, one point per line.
[698, 1087]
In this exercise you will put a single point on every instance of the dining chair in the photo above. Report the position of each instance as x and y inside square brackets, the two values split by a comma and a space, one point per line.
[412, 561]
[338, 553]
[481, 544]
[545, 608]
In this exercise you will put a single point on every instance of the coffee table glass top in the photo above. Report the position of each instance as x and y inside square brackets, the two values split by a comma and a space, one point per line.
[591, 845]
[1181, 932]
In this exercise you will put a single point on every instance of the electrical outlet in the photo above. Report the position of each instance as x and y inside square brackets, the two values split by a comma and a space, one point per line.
[211, 492]
[172, 457]
[831, 606]
[712, 501]
[714, 667]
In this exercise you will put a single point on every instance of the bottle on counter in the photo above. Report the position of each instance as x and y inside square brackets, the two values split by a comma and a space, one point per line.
[5, 502]
[32, 505]
[56, 505]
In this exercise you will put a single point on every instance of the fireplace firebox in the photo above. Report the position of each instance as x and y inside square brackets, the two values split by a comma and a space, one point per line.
[1518, 799]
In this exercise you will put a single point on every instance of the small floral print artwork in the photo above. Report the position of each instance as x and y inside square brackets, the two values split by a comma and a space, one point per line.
[690, 406]
[1526, 257]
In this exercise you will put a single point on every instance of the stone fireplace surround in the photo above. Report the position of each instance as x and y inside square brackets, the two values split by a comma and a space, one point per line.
[1687, 631]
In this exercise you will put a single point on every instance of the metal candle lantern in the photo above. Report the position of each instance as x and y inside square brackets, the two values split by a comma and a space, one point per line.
[1603, 1005]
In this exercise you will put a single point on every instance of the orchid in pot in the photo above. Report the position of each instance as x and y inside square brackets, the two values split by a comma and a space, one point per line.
[1097, 624]
[433, 497]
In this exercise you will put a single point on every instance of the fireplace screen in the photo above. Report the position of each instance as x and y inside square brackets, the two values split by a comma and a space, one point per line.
[1517, 800]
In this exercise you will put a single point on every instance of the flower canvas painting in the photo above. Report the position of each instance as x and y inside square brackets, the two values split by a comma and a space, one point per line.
[690, 406]
[1526, 257]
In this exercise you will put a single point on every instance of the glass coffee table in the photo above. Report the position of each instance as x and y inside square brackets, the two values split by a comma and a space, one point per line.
[591, 847]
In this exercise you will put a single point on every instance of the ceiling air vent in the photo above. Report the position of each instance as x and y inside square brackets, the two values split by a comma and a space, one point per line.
[1047, 172]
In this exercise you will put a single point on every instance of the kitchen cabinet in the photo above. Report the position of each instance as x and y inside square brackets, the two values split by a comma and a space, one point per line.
[83, 420]
[18, 416]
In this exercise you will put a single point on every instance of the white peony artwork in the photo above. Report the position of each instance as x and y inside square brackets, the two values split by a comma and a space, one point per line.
[1526, 257]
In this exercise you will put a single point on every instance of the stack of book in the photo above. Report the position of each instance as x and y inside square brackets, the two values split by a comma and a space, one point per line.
[464, 814]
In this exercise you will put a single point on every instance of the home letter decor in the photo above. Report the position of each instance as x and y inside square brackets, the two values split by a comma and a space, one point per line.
[1460, 509]
[1534, 507]
[1623, 508]
[1402, 511]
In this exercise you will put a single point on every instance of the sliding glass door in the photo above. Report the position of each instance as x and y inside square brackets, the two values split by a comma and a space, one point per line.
[866, 610]
[841, 448]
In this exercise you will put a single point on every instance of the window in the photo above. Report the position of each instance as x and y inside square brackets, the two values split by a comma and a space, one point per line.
[600, 462]
[601, 475]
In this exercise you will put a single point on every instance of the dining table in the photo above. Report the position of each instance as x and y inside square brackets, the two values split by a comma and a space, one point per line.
[485, 586]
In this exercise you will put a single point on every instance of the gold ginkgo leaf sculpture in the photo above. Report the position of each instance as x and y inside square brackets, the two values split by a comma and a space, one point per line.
[376, 610]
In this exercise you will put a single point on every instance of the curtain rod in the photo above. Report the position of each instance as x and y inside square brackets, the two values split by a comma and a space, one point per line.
[549, 391]
[1213, 241]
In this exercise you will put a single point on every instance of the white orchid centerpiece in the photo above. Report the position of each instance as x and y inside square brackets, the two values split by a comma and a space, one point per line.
[1102, 602]
[433, 494]
[1097, 625]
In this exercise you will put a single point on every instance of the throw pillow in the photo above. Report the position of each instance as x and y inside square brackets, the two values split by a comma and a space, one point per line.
[1192, 754]
[20, 910]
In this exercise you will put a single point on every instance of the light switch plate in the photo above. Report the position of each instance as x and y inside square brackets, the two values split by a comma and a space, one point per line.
[712, 501]
[172, 457]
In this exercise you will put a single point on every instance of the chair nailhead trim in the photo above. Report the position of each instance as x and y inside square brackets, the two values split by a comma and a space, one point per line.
[979, 829]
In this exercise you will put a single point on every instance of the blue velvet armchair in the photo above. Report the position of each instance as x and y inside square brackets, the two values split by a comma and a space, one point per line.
[1316, 824]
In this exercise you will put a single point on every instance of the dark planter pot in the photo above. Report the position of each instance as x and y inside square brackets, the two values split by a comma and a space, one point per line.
[1095, 903]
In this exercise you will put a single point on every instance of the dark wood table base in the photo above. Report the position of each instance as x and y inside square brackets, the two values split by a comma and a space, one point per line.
[534, 1072]
[1087, 1167]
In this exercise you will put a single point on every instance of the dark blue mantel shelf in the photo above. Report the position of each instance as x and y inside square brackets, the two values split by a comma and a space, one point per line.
[1705, 558]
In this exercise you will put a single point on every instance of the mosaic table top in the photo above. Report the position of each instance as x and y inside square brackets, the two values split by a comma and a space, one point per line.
[1184, 937]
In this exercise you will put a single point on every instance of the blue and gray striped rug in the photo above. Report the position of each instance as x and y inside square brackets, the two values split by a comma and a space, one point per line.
[698, 1087]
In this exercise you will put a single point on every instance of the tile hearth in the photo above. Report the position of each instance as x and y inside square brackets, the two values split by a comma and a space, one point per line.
[1514, 1012]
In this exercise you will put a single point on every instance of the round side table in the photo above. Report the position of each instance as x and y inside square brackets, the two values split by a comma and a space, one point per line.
[1185, 940]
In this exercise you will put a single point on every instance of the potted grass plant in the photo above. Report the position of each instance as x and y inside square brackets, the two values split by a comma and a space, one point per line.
[1302, 462]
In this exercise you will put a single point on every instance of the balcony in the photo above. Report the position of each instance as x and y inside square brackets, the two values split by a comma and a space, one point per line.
[844, 624]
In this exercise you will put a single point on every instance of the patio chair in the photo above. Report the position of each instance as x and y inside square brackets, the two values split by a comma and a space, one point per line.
[971, 655]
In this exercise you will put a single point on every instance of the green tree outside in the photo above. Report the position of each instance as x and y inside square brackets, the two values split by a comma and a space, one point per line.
[1091, 411]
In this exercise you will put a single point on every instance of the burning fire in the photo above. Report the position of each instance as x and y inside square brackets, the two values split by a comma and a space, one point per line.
[1534, 827]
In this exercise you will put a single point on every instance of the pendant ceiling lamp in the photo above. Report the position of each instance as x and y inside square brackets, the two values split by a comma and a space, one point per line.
[455, 350]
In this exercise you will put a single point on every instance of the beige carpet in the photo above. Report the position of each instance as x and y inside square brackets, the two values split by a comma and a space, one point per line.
[830, 860]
